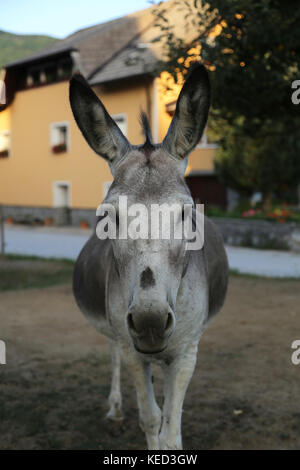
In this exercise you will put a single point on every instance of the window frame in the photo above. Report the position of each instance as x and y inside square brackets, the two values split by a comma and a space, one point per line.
[58, 183]
[105, 188]
[54, 125]
[121, 116]
[205, 144]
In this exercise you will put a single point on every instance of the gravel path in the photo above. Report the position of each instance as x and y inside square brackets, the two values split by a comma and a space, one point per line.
[271, 263]
[244, 393]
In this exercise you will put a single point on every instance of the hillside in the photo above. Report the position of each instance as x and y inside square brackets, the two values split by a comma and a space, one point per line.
[17, 46]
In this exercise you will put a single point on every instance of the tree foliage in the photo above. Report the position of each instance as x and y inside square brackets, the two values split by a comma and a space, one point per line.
[253, 51]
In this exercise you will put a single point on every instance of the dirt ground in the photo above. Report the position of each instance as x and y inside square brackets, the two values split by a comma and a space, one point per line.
[244, 393]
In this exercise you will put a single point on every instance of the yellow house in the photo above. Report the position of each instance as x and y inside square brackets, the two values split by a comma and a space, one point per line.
[46, 168]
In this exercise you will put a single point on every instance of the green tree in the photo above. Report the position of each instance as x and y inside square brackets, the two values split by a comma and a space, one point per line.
[253, 60]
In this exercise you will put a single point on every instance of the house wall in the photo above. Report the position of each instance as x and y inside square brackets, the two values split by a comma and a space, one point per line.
[5, 120]
[28, 175]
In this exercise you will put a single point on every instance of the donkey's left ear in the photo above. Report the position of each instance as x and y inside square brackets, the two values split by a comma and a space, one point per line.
[191, 114]
[99, 129]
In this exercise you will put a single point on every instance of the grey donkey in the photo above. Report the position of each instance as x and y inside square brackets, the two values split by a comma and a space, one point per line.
[152, 298]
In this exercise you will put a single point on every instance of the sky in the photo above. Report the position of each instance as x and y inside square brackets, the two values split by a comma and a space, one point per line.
[60, 18]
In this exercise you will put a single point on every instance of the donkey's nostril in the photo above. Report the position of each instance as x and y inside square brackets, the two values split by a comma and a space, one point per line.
[141, 325]
[130, 322]
[170, 322]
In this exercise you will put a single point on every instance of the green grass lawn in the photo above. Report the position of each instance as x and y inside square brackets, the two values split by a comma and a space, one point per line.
[23, 272]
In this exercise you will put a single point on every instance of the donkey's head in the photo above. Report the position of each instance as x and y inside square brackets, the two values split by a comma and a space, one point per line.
[150, 270]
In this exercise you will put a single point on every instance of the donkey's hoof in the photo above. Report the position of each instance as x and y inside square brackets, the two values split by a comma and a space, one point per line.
[115, 415]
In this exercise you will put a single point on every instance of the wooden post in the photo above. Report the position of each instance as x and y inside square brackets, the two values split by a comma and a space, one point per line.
[2, 232]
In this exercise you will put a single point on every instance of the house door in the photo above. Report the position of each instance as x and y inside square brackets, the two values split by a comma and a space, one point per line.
[62, 203]
[207, 189]
[61, 194]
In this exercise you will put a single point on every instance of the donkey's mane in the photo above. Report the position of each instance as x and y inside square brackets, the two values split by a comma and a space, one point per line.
[146, 130]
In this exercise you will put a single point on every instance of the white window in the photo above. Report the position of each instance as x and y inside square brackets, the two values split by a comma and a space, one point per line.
[2, 92]
[4, 144]
[206, 142]
[59, 137]
[61, 194]
[121, 120]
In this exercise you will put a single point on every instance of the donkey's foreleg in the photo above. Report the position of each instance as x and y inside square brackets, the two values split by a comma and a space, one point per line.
[149, 412]
[115, 397]
[177, 377]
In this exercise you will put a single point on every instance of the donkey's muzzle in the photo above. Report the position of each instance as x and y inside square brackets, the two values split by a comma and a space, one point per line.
[150, 331]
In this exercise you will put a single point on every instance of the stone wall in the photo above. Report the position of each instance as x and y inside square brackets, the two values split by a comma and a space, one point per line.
[259, 233]
[59, 216]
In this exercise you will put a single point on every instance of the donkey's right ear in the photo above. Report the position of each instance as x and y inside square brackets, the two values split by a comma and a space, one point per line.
[191, 114]
[99, 129]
